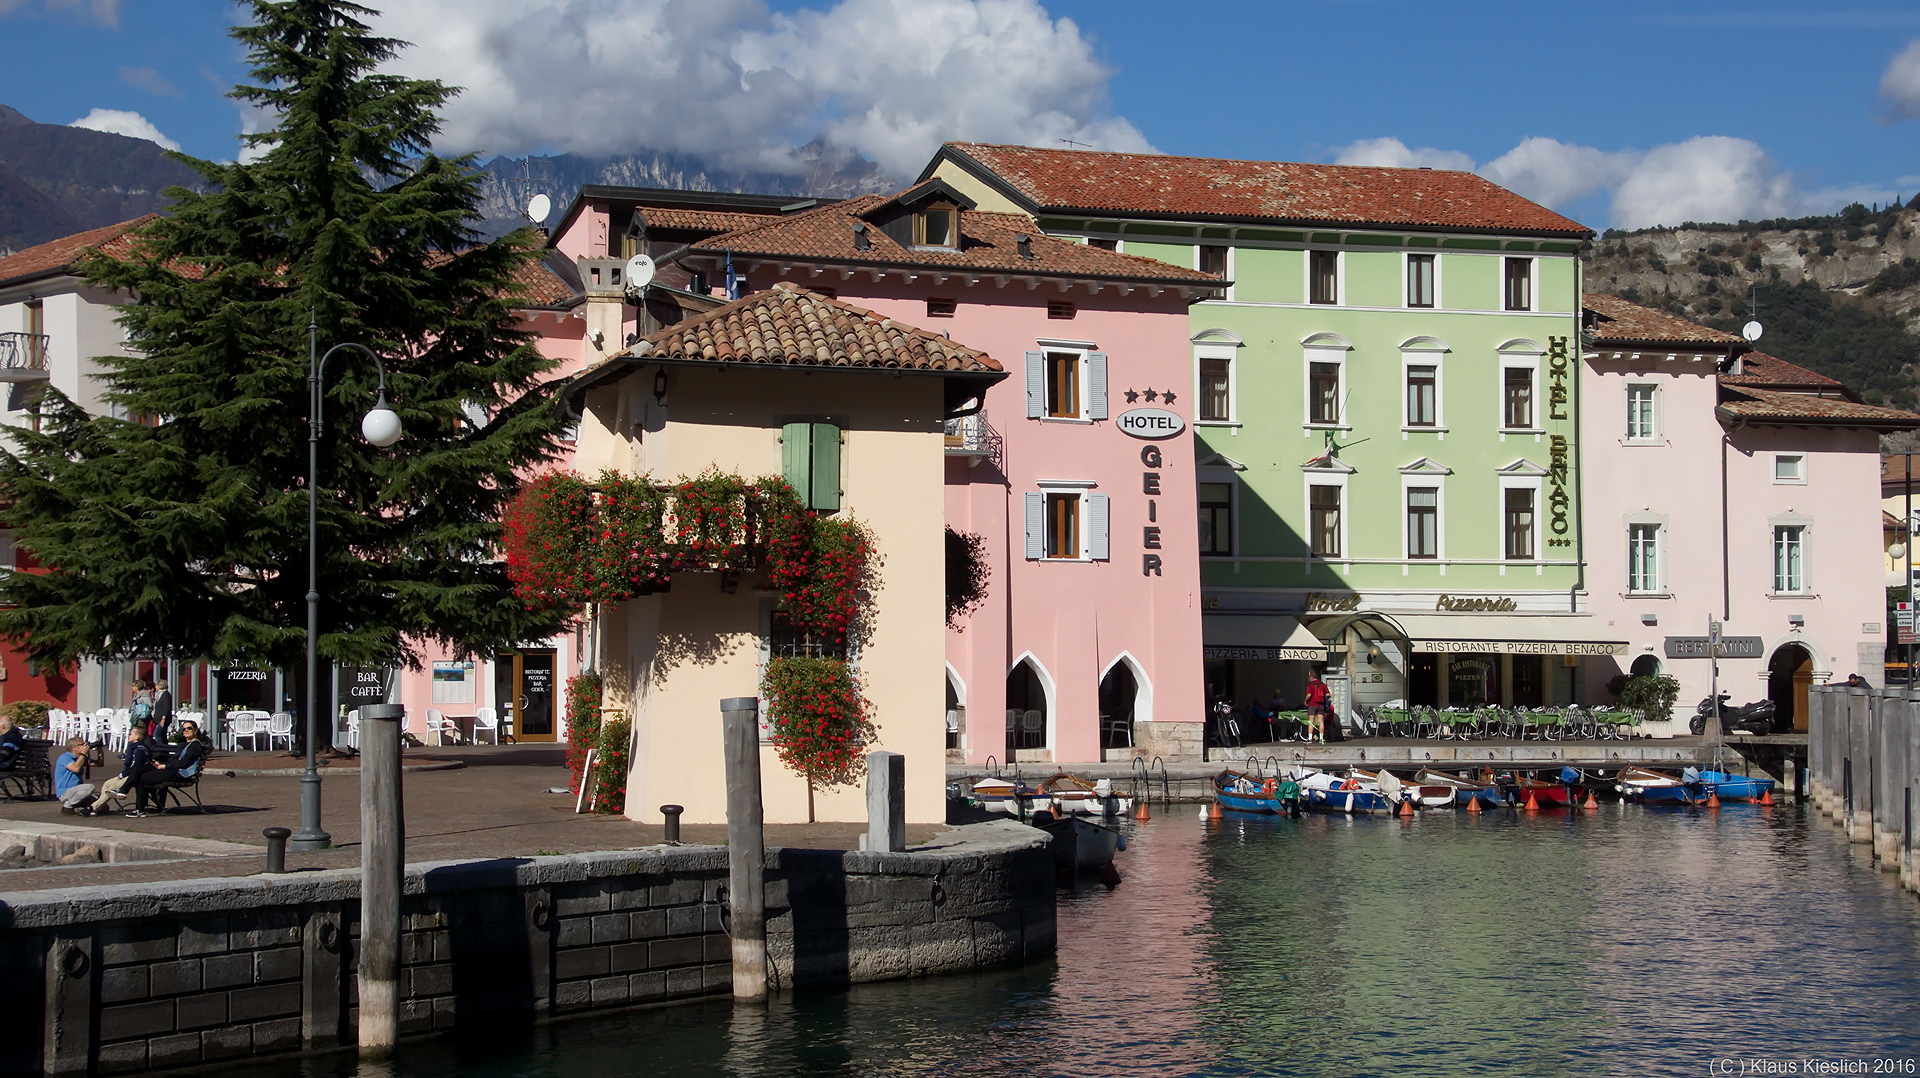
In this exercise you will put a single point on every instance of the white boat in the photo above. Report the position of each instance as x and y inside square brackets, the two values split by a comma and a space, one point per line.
[1067, 795]
[1423, 795]
[1333, 793]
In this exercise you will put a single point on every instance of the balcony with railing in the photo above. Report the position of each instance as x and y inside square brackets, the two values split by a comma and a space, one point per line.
[23, 357]
[972, 436]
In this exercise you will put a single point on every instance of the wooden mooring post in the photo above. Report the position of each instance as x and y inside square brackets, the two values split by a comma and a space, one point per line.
[1863, 751]
[746, 848]
[383, 858]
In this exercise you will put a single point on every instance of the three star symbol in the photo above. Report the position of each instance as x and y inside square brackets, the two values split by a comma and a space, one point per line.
[1151, 396]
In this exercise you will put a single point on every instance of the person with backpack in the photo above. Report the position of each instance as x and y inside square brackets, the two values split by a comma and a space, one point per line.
[1316, 700]
[140, 707]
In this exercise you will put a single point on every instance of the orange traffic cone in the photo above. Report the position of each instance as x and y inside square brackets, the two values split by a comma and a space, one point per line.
[1530, 806]
[1141, 813]
[1213, 811]
[1766, 797]
[1473, 804]
[1713, 800]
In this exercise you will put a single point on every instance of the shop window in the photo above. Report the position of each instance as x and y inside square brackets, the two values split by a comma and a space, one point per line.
[1423, 522]
[1216, 519]
[1518, 523]
[1324, 520]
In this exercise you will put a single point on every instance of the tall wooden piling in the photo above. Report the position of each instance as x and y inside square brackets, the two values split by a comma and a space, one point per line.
[383, 855]
[886, 802]
[1890, 711]
[746, 847]
[1859, 765]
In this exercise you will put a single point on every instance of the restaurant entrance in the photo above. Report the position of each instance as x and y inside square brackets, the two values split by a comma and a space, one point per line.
[523, 691]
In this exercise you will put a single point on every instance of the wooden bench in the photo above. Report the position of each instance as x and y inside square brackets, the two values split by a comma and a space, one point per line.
[31, 776]
[177, 793]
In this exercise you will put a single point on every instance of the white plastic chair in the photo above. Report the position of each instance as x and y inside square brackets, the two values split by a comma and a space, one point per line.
[280, 728]
[242, 724]
[488, 720]
[1033, 725]
[353, 728]
[99, 725]
[438, 727]
[119, 724]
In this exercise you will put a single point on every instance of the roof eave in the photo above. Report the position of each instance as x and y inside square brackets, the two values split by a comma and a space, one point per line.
[617, 367]
[1884, 425]
[982, 271]
[1310, 222]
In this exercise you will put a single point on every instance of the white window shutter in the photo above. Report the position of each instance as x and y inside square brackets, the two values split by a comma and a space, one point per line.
[1096, 385]
[1097, 519]
[1036, 384]
[1036, 524]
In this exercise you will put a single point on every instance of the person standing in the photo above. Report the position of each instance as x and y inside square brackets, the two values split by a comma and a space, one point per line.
[162, 720]
[140, 707]
[68, 770]
[1316, 701]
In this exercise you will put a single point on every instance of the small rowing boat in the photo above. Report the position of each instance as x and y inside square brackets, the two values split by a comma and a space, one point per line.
[1561, 794]
[1464, 789]
[1237, 792]
[1000, 795]
[1079, 845]
[1736, 787]
[1349, 794]
[1067, 795]
[1651, 787]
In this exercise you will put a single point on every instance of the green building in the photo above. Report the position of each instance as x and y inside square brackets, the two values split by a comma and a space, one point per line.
[1388, 435]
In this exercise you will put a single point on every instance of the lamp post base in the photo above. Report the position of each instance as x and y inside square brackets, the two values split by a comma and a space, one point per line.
[310, 837]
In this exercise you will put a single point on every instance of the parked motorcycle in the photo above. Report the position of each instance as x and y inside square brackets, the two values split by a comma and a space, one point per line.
[1753, 718]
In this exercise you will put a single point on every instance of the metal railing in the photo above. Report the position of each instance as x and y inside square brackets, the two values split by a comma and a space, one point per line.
[23, 351]
[970, 435]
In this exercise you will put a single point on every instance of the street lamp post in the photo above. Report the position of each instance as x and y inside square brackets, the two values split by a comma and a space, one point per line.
[380, 427]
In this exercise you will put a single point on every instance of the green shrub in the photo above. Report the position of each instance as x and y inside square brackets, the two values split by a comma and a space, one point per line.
[610, 765]
[1652, 695]
[27, 712]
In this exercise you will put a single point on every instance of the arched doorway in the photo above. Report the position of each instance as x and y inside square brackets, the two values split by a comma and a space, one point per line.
[1645, 666]
[1026, 708]
[956, 710]
[1789, 674]
[1119, 692]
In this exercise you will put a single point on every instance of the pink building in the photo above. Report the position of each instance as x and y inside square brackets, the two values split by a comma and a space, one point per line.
[1078, 473]
[1724, 484]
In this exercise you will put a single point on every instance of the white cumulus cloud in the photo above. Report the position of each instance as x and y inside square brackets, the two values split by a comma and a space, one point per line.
[120, 122]
[1900, 83]
[1556, 173]
[1392, 153]
[734, 83]
[1707, 178]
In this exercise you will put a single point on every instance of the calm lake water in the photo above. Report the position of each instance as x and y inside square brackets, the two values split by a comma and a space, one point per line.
[1621, 941]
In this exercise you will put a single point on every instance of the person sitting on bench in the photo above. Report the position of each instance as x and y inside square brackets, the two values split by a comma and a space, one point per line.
[179, 772]
[12, 740]
[139, 759]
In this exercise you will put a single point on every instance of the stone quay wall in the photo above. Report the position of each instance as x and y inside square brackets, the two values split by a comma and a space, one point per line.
[127, 978]
[1863, 767]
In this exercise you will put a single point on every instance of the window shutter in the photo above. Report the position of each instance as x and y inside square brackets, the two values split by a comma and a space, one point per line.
[1097, 525]
[796, 458]
[826, 467]
[1036, 384]
[1096, 385]
[1036, 524]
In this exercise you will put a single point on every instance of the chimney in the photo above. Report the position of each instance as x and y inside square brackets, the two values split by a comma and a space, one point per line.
[860, 240]
[1024, 244]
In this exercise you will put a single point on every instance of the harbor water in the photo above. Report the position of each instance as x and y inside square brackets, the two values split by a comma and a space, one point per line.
[1622, 941]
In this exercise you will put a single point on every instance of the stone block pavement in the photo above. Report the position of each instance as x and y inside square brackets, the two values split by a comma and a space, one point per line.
[494, 806]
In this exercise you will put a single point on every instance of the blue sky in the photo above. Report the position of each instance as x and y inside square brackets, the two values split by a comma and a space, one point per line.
[1638, 111]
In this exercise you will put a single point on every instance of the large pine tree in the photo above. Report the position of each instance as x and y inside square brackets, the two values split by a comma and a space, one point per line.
[182, 529]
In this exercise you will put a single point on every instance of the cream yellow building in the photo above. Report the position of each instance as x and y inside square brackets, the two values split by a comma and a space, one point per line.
[731, 390]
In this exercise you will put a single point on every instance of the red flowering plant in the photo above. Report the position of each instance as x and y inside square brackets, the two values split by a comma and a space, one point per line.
[710, 521]
[549, 542]
[822, 725]
[784, 529]
[626, 546]
[826, 597]
[583, 723]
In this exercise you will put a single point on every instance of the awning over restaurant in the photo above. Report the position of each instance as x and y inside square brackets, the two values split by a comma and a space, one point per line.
[1469, 634]
[1259, 636]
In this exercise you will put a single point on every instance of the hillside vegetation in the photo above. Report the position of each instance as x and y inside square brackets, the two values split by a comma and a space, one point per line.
[1838, 294]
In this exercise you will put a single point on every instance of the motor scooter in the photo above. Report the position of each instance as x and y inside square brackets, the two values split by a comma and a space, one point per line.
[1753, 718]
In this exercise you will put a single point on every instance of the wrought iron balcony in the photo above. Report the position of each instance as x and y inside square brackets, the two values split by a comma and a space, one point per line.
[972, 436]
[23, 357]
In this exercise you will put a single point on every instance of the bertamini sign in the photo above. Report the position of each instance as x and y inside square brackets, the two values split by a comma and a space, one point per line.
[1701, 647]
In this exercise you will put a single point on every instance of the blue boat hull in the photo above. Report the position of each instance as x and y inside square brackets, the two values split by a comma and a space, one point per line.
[1345, 801]
[1243, 803]
[1735, 787]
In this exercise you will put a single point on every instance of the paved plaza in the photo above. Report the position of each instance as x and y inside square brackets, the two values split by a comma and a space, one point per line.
[493, 804]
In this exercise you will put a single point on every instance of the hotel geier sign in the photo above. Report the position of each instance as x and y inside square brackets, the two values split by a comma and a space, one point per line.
[1151, 424]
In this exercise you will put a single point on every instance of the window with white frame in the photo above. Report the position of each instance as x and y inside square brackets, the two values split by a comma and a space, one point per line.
[1518, 521]
[1643, 557]
[1789, 468]
[1423, 522]
[1421, 290]
[1066, 383]
[1215, 258]
[1323, 515]
[1423, 395]
[1067, 522]
[1216, 519]
[1518, 292]
[1643, 413]
[1323, 392]
[1213, 366]
[1789, 558]
[1517, 397]
[1323, 277]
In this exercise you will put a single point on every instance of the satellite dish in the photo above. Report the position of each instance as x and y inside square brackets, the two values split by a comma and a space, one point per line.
[1751, 331]
[539, 208]
[639, 271]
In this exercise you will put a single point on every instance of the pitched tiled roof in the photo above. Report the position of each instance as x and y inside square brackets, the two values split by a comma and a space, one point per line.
[1211, 187]
[989, 244]
[1630, 323]
[1771, 372]
[1764, 405]
[789, 326]
[542, 286]
[699, 220]
[55, 256]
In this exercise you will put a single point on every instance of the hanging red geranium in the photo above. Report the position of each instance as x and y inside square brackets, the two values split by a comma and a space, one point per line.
[822, 725]
[549, 541]
[627, 543]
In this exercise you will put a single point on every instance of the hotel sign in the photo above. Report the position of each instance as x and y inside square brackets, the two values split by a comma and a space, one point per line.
[1700, 647]
[1151, 423]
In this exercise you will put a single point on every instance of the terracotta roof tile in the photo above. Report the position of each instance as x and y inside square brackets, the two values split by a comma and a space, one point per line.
[1771, 372]
[55, 256]
[1761, 405]
[1211, 187]
[788, 325]
[989, 244]
[1630, 323]
[699, 220]
[541, 286]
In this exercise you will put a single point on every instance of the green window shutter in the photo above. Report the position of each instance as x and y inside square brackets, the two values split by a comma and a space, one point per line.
[826, 468]
[796, 458]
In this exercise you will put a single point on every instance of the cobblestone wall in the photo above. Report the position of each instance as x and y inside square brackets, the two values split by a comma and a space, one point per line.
[136, 977]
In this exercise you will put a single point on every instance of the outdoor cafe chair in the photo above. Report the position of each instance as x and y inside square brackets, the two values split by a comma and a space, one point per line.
[280, 728]
[119, 724]
[1033, 727]
[487, 720]
[439, 727]
[248, 725]
[353, 729]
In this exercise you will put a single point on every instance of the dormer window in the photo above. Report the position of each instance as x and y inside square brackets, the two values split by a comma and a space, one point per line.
[937, 226]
